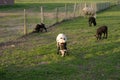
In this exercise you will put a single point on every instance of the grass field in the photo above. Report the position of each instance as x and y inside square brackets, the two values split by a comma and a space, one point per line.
[34, 56]
[35, 6]
[60, 1]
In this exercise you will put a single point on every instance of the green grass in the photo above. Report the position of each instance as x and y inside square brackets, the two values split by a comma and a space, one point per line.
[33, 6]
[34, 57]
[59, 1]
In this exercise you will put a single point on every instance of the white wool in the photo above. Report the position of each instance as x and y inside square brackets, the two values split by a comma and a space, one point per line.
[85, 9]
[61, 36]
[12, 45]
[89, 11]
[61, 41]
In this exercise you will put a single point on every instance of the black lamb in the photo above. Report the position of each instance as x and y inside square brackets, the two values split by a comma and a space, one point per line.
[102, 30]
[91, 21]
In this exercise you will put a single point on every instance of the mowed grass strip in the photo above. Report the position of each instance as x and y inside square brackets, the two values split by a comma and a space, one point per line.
[35, 58]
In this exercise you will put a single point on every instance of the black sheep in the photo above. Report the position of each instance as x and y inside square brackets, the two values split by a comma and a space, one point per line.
[102, 30]
[91, 21]
[40, 27]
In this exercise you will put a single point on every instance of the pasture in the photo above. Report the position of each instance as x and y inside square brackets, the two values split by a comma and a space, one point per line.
[34, 56]
[60, 1]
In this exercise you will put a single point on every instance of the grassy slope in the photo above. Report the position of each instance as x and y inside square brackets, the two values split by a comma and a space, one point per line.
[35, 57]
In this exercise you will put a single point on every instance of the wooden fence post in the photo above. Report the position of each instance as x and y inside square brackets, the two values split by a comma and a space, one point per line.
[74, 10]
[42, 15]
[25, 27]
[80, 9]
[96, 7]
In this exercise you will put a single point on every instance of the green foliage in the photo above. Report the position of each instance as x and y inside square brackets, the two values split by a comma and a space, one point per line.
[35, 58]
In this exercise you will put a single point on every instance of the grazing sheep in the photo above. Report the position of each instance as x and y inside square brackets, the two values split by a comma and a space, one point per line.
[89, 11]
[40, 27]
[102, 30]
[61, 44]
[91, 21]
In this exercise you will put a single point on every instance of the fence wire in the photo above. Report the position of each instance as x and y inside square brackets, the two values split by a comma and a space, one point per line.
[12, 23]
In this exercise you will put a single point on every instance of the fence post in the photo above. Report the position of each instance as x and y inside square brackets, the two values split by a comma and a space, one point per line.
[74, 10]
[96, 7]
[56, 15]
[80, 9]
[42, 15]
[25, 27]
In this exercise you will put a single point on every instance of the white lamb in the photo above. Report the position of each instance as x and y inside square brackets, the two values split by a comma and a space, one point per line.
[61, 40]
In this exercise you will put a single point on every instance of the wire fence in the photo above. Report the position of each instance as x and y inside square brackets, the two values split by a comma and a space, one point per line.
[16, 24]
[67, 12]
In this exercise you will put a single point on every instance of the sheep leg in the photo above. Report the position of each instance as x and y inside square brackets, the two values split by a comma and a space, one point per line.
[58, 48]
[62, 54]
[66, 46]
[104, 35]
[90, 24]
[99, 36]
[37, 31]
[94, 23]
[45, 29]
